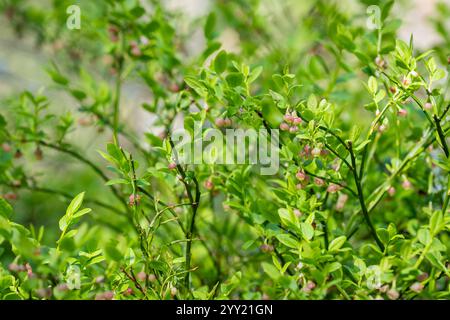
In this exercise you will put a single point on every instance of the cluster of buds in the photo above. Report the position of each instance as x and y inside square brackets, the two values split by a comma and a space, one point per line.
[134, 200]
[292, 121]
[266, 248]
[107, 295]
[223, 122]
[113, 32]
[135, 50]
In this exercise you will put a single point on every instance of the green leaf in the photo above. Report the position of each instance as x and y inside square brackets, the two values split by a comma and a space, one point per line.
[220, 62]
[271, 271]
[288, 241]
[75, 204]
[5, 208]
[235, 79]
[255, 74]
[117, 181]
[307, 231]
[436, 223]
[337, 243]
[372, 85]
[196, 85]
[424, 236]
[210, 26]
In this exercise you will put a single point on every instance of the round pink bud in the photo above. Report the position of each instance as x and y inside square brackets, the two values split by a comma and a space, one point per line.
[135, 51]
[381, 128]
[284, 126]
[173, 291]
[332, 188]
[220, 122]
[422, 277]
[310, 285]
[393, 294]
[141, 276]
[319, 182]
[342, 199]
[6, 147]
[134, 200]
[209, 184]
[406, 184]
[266, 248]
[297, 120]
[299, 186]
[151, 277]
[406, 82]
[428, 106]
[300, 175]
[391, 191]
[402, 113]
[128, 292]
[227, 122]
[172, 165]
[307, 150]
[14, 267]
[293, 129]
[416, 287]
[297, 213]
[288, 118]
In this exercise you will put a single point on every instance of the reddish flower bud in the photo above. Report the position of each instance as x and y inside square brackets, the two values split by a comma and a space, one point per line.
[416, 287]
[6, 147]
[284, 126]
[393, 90]
[209, 185]
[134, 200]
[315, 152]
[406, 184]
[266, 248]
[422, 277]
[300, 175]
[220, 122]
[391, 191]
[172, 165]
[332, 188]
[299, 186]
[227, 122]
[297, 120]
[393, 294]
[288, 118]
[406, 82]
[428, 106]
[319, 182]
[297, 213]
[402, 113]
[342, 199]
[141, 276]
[10, 196]
[293, 129]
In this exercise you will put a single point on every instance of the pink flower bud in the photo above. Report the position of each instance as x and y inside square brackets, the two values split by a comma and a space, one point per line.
[406, 184]
[428, 106]
[284, 126]
[416, 287]
[209, 184]
[173, 291]
[220, 122]
[402, 113]
[299, 186]
[6, 147]
[310, 285]
[319, 182]
[297, 120]
[172, 165]
[107, 295]
[134, 200]
[332, 188]
[288, 118]
[266, 248]
[381, 128]
[297, 213]
[391, 191]
[393, 294]
[406, 82]
[227, 122]
[342, 199]
[300, 175]
[293, 129]
[151, 277]
[141, 276]
[422, 277]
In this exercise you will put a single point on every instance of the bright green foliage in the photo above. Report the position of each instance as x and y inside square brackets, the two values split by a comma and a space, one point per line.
[359, 208]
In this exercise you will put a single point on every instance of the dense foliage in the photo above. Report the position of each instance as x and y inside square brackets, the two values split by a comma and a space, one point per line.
[357, 210]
